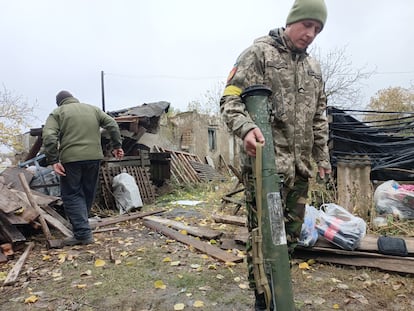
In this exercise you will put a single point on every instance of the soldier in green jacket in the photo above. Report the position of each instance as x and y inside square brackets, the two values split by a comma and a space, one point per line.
[300, 129]
[72, 145]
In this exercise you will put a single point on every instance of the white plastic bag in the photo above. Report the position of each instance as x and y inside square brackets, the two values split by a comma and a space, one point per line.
[309, 234]
[391, 198]
[126, 193]
[340, 227]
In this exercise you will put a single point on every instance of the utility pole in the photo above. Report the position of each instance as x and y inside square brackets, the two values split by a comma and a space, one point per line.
[103, 90]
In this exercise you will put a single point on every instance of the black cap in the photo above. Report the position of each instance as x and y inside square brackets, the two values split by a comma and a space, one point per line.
[61, 96]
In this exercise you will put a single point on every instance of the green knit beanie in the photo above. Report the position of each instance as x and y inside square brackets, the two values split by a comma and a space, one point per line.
[307, 9]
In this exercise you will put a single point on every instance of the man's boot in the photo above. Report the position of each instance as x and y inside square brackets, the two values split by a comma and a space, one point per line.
[260, 303]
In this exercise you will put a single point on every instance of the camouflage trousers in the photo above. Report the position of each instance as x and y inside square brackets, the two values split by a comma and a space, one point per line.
[294, 200]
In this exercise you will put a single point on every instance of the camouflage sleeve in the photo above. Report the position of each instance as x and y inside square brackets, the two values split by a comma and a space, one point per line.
[248, 71]
[320, 150]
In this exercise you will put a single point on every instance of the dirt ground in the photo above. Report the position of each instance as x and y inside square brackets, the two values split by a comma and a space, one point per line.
[132, 268]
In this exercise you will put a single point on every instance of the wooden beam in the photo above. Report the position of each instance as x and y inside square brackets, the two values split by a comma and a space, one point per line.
[233, 220]
[113, 220]
[201, 232]
[14, 272]
[204, 247]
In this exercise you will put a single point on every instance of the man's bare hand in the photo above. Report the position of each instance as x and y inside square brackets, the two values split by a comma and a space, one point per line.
[251, 139]
[59, 169]
[118, 153]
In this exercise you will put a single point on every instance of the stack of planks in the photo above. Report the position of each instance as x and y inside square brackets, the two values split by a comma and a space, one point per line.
[187, 168]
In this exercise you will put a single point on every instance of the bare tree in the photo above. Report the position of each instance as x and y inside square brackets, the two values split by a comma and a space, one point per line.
[15, 114]
[344, 83]
[210, 101]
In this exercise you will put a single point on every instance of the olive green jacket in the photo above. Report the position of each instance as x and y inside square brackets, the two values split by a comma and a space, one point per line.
[73, 132]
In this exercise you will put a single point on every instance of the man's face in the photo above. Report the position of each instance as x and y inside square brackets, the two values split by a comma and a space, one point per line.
[302, 33]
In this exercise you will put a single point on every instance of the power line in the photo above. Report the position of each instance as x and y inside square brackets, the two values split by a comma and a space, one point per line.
[164, 77]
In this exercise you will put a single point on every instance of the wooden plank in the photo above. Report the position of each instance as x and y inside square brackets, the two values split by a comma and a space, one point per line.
[33, 203]
[369, 243]
[201, 232]
[10, 232]
[189, 168]
[3, 258]
[116, 219]
[9, 202]
[51, 211]
[14, 272]
[204, 247]
[231, 200]
[10, 175]
[338, 251]
[397, 264]
[56, 224]
[227, 219]
[15, 220]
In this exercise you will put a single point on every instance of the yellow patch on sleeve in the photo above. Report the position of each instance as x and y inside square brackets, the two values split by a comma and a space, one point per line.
[232, 90]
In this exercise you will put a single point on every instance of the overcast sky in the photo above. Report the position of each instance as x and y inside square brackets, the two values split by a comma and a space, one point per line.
[176, 50]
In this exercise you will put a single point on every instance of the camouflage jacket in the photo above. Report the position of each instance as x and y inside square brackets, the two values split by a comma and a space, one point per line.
[299, 124]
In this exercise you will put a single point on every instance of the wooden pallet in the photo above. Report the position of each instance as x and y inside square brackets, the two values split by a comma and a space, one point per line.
[142, 178]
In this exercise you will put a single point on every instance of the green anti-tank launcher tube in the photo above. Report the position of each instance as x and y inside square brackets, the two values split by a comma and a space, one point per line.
[274, 245]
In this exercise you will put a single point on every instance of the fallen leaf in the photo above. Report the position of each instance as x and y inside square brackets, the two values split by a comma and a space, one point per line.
[335, 306]
[397, 285]
[244, 286]
[62, 257]
[81, 286]
[342, 286]
[46, 257]
[183, 231]
[319, 301]
[99, 263]
[159, 284]
[56, 273]
[304, 265]
[124, 253]
[31, 299]
[198, 304]
[166, 259]
[179, 306]
[86, 273]
[175, 263]
[3, 275]
[220, 277]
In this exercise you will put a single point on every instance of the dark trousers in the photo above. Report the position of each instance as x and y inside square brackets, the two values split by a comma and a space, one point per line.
[78, 189]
